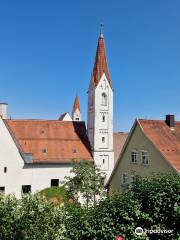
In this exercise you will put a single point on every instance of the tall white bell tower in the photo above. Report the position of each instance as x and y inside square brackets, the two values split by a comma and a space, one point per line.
[100, 111]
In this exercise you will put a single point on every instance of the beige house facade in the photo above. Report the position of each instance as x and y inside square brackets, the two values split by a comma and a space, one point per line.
[151, 147]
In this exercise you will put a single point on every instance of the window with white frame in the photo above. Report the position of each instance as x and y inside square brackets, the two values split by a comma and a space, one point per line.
[124, 178]
[144, 157]
[104, 99]
[134, 156]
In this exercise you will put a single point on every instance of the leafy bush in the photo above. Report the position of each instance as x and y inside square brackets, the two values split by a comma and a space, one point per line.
[151, 203]
[8, 216]
[159, 196]
[31, 217]
[115, 216]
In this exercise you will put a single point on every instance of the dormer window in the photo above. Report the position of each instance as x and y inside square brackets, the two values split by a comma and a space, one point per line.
[44, 150]
[74, 150]
[42, 131]
[104, 99]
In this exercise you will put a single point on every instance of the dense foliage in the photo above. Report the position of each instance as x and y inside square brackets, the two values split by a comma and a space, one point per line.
[151, 203]
[32, 218]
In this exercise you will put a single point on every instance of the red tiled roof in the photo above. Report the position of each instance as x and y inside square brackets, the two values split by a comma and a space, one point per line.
[119, 139]
[166, 140]
[76, 104]
[51, 141]
[100, 65]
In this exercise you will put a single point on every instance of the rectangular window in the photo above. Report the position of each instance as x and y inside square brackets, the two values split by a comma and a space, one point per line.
[54, 182]
[134, 156]
[2, 189]
[26, 189]
[124, 178]
[103, 139]
[133, 178]
[104, 99]
[144, 157]
[104, 160]
[5, 169]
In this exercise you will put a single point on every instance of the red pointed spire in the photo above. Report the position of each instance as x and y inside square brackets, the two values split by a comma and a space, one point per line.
[100, 65]
[76, 104]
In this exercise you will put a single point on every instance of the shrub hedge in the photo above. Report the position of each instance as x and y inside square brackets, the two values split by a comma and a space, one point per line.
[151, 203]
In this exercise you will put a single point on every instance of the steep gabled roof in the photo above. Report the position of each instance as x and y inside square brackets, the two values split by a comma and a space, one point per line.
[65, 117]
[76, 104]
[165, 139]
[100, 65]
[51, 141]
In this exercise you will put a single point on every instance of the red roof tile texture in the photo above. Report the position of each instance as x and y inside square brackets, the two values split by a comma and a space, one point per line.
[166, 140]
[119, 139]
[76, 104]
[100, 65]
[51, 141]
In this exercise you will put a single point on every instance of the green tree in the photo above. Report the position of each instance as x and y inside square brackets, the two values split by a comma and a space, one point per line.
[152, 203]
[86, 182]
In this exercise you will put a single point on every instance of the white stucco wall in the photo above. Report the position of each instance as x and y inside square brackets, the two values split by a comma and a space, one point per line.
[18, 173]
[97, 128]
[3, 110]
[77, 115]
[67, 117]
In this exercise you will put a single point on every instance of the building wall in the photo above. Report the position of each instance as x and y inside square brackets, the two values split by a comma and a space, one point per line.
[18, 173]
[67, 117]
[157, 163]
[77, 115]
[97, 128]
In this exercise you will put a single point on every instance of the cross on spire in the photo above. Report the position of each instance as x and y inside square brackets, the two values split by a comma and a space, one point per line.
[101, 30]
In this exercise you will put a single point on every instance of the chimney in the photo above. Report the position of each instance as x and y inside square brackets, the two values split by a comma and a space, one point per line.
[3, 110]
[170, 120]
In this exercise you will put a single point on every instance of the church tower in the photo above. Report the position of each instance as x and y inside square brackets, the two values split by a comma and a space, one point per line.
[100, 111]
[76, 112]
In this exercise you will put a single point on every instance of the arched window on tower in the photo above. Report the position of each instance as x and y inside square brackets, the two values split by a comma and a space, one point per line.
[104, 99]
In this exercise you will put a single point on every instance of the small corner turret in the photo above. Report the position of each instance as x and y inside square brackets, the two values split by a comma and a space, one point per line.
[76, 112]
